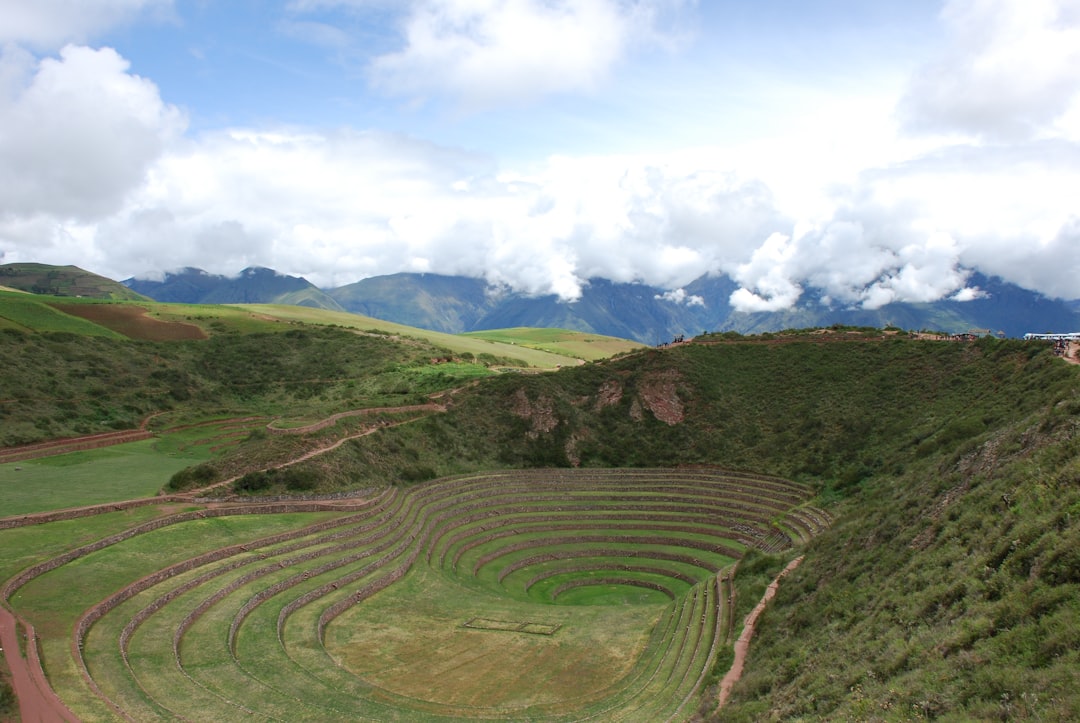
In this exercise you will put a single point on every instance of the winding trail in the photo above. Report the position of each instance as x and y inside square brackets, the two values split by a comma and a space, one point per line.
[37, 701]
[742, 645]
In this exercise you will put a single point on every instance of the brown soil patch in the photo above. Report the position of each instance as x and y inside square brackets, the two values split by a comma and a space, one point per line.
[132, 321]
[659, 392]
[742, 645]
[540, 414]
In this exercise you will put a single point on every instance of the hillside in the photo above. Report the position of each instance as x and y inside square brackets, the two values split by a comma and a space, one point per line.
[946, 587]
[64, 281]
[253, 285]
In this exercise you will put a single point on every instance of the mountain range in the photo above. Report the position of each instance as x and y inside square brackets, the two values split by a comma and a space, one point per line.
[650, 315]
[456, 304]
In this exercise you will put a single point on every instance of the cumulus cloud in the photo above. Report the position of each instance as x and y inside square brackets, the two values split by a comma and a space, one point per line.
[483, 53]
[1012, 68]
[77, 133]
[338, 207]
[679, 297]
[96, 169]
[48, 24]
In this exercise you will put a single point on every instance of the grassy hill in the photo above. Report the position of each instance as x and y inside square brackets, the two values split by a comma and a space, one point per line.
[560, 341]
[947, 587]
[63, 281]
[79, 366]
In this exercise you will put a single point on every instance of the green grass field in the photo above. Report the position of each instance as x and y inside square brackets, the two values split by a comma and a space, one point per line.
[113, 474]
[456, 343]
[946, 588]
[577, 344]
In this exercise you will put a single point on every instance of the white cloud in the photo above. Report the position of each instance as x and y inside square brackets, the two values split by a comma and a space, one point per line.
[484, 53]
[1013, 68]
[679, 296]
[95, 169]
[49, 24]
[78, 134]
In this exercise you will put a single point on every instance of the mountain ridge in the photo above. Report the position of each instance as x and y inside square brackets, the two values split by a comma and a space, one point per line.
[647, 314]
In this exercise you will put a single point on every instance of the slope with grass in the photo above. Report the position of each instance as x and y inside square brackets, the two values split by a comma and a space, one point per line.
[946, 587]
[590, 347]
[64, 281]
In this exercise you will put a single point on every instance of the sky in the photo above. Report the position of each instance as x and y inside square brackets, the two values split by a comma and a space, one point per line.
[878, 151]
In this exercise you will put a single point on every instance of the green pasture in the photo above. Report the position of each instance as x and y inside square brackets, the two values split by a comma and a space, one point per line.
[219, 318]
[21, 547]
[111, 474]
[415, 650]
[53, 602]
[458, 344]
[563, 342]
[203, 652]
[411, 640]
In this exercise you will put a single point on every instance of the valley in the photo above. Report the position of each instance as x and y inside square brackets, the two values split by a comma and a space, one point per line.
[329, 519]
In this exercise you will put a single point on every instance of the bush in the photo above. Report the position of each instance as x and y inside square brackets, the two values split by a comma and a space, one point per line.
[252, 482]
[200, 475]
[7, 700]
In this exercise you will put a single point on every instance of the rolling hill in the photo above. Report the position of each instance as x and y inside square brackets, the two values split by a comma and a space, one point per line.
[64, 281]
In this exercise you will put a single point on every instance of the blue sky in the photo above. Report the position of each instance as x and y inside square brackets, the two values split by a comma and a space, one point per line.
[878, 151]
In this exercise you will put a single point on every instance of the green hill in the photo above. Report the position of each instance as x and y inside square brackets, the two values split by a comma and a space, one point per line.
[64, 281]
[947, 588]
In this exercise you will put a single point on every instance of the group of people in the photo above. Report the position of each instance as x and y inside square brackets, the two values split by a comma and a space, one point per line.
[677, 340]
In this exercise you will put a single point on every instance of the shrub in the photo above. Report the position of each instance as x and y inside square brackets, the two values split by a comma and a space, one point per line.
[199, 475]
[252, 482]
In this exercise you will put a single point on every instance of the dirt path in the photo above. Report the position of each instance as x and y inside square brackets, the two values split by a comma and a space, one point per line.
[742, 645]
[37, 701]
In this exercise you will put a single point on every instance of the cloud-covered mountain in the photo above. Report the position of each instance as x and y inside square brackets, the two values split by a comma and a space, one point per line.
[636, 311]
[253, 285]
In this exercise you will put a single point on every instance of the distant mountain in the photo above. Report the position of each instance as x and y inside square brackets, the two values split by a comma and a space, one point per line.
[253, 285]
[456, 304]
[64, 281]
[451, 304]
[649, 315]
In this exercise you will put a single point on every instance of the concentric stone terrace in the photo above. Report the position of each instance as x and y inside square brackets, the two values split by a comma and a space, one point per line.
[556, 594]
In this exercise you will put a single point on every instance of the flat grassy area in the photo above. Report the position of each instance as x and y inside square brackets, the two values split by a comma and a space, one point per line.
[112, 474]
[411, 640]
[22, 547]
[576, 344]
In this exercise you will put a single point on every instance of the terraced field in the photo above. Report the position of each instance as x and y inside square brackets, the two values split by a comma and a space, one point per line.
[542, 595]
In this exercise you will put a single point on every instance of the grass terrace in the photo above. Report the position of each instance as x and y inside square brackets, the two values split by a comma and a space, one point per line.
[420, 602]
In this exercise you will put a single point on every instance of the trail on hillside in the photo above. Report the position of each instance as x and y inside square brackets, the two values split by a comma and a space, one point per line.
[742, 645]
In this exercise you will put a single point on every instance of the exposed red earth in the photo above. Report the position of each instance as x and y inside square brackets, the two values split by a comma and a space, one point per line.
[37, 701]
[742, 645]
